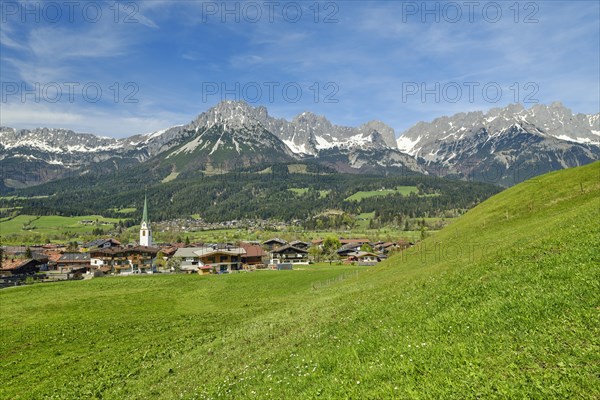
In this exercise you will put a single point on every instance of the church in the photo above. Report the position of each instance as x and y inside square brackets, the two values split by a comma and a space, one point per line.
[145, 231]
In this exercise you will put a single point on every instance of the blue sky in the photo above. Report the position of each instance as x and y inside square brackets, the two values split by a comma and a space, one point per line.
[160, 63]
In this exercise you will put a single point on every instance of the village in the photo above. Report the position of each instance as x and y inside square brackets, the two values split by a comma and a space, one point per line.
[109, 257]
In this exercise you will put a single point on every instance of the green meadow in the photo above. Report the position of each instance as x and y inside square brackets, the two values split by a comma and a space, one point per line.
[302, 191]
[51, 224]
[403, 190]
[502, 303]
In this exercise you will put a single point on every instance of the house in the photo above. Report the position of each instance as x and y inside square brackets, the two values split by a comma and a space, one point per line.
[255, 255]
[73, 262]
[349, 249]
[289, 254]
[274, 243]
[386, 247]
[20, 266]
[383, 246]
[53, 257]
[404, 244]
[364, 258]
[216, 258]
[124, 260]
[317, 242]
[300, 244]
[169, 251]
[102, 243]
[359, 242]
[189, 261]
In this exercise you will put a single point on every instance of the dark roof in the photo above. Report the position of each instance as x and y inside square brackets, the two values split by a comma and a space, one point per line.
[14, 264]
[275, 240]
[74, 257]
[299, 242]
[288, 247]
[349, 246]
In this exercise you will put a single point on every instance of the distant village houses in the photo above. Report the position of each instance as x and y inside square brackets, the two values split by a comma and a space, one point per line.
[108, 256]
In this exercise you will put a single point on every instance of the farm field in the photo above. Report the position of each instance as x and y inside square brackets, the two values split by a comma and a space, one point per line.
[12, 231]
[51, 224]
[503, 303]
[29, 225]
[403, 190]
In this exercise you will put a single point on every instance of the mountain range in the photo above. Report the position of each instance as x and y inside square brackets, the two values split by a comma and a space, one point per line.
[504, 145]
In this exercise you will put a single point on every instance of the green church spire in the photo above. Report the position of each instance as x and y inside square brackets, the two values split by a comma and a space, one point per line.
[145, 214]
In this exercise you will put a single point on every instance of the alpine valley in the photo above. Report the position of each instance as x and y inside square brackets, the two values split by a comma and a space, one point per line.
[503, 146]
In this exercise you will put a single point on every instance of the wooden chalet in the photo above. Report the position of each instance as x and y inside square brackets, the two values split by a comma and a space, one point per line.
[124, 260]
[299, 244]
[217, 258]
[73, 262]
[255, 255]
[289, 254]
[364, 258]
[274, 243]
[20, 266]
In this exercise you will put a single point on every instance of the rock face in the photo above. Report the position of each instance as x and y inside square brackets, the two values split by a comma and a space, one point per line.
[506, 145]
[496, 146]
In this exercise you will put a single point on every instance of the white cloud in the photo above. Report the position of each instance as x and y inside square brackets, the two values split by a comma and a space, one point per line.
[53, 44]
[87, 119]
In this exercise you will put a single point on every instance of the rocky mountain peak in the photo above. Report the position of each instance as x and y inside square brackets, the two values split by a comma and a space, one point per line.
[387, 133]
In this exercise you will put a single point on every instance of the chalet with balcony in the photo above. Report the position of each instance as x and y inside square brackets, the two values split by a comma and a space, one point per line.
[254, 256]
[217, 258]
[299, 244]
[289, 254]
[124, 260]
[364, 258]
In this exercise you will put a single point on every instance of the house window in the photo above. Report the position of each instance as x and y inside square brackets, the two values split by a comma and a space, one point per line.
[143, 233]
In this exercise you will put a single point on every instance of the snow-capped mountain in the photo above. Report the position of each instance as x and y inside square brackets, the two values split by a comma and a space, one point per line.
[232, 134]
[30, 157]
[497, 146]
[505, 145]
[306, 134]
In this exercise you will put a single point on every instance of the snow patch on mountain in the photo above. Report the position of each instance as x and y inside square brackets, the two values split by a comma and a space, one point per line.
[407, 145]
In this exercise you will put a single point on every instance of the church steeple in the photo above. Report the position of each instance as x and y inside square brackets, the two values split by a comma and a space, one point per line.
[145, 231]
[145, 214]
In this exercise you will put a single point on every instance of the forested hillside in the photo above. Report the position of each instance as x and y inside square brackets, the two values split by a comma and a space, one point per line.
[272, 193]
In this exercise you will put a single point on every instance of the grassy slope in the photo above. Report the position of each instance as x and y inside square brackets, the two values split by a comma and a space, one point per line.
[502, 303]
